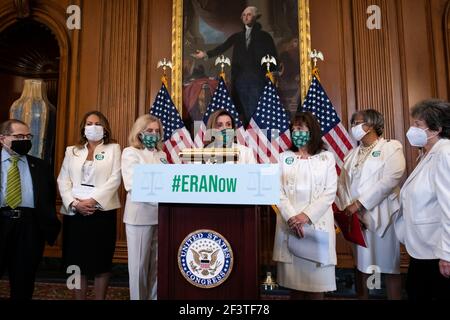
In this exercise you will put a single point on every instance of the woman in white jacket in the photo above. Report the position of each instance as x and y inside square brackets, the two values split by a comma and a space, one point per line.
[141, 218]
[369, 187]
[308, 189]
[88, 183]
[222, 127]
[424, 223]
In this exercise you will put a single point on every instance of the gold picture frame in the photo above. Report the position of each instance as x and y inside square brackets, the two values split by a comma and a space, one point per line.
[177, 50]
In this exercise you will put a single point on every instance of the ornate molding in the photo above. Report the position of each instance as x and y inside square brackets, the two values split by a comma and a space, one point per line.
[23, 8]
[177, 54]
[304, 32]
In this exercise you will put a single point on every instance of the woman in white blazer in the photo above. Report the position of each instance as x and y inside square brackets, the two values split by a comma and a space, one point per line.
[424, 221]
[308, 189]
[88, 183]
[222, 127]
[369, 187]
[141, 218]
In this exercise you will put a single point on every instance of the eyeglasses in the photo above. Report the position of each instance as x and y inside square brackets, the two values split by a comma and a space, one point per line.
[21, 136]
[355, 123]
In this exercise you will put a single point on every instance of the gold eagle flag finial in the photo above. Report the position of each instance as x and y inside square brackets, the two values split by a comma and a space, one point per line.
[315, 56]
[164, 64]
[222, 61]
[269, 60]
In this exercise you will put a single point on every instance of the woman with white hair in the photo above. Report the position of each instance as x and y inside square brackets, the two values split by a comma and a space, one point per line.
[141, 218]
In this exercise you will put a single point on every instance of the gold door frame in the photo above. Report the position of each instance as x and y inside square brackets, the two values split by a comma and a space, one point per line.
[177, 50]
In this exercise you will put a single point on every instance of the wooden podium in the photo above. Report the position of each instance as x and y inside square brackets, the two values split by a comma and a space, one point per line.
[238, 224]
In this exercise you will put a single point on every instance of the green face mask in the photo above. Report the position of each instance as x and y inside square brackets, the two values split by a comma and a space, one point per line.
[227, 136]
[149, 140]
[300, 138]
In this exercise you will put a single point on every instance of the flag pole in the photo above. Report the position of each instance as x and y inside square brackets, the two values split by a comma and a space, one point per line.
[315, 56]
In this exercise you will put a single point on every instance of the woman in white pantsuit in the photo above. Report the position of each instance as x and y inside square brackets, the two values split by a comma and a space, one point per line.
[308, 189]
[368, 187]
[140, 218]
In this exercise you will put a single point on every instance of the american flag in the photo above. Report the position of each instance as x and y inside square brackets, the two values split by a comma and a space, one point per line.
[221, 100]
[176, 136]
[268, 131]
[333, 132]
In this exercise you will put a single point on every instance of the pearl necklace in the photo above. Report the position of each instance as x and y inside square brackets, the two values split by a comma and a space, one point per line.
[363, 153]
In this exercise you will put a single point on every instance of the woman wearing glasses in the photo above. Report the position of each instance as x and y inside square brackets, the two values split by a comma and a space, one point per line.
[368, 187]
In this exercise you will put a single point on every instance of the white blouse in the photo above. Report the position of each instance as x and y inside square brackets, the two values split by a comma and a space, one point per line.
[88, 177]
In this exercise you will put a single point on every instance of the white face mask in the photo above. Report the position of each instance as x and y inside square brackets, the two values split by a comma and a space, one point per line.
[417, 137]
[358, 132]
[94, 133]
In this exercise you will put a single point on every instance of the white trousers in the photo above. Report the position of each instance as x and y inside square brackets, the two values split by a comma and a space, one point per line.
[142, 242]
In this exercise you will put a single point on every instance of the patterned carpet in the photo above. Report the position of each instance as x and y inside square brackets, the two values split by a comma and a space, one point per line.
[59, 291]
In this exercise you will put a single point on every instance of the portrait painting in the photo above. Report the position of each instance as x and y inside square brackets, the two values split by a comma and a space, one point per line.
[204, 25]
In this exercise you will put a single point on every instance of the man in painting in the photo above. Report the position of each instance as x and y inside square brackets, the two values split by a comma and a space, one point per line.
[247, 75]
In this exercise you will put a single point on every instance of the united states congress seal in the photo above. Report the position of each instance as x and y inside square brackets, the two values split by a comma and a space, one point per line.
[205, 258]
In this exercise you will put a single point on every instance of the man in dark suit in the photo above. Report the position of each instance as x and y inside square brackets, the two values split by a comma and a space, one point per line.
[247, 75]
[27, 208]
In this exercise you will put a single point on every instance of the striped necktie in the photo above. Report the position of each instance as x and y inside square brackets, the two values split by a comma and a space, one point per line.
[13, 188]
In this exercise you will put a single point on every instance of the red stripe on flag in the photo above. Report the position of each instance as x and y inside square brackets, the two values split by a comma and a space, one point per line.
[286, 140]
[338, 170]
[334, 145]
[167, 152]
[343, 137]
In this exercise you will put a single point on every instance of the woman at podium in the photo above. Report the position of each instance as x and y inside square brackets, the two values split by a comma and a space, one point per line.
[308, 189]
[140, 218]
[223, 135]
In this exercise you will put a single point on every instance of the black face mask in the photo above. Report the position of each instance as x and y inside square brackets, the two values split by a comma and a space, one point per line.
[21, 146]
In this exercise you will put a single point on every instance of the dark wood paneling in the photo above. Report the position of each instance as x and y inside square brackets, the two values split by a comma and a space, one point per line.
[389, 69]
[110, 64]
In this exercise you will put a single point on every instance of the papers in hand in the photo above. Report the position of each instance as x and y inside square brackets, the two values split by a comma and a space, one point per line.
[83, 191]
[314, 246]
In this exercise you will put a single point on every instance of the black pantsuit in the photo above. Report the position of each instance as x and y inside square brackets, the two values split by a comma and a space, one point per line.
[21, 249]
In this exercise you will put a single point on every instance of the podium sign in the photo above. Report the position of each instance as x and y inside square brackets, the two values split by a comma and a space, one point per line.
[207, 184]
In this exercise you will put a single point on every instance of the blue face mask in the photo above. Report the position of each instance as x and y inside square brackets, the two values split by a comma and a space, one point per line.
[149, 140]
[300, 138]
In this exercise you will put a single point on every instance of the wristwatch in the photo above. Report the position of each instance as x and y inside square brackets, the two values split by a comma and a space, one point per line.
[73, 205]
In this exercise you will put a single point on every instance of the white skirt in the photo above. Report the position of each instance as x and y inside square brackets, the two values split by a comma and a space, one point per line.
[307, 276]
[381, 255]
